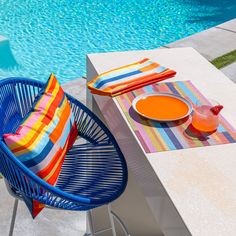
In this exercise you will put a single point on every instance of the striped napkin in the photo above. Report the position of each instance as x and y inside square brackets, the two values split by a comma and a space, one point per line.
[129, 77]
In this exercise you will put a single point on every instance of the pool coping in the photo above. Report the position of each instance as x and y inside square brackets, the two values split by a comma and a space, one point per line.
[211, 43]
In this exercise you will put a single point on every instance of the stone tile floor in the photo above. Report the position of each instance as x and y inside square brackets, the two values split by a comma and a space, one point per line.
[48, 223]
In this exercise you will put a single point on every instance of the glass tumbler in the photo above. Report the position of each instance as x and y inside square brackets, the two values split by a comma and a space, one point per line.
[204, 119]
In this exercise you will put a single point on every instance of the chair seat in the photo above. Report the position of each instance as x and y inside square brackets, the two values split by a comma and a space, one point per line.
[93, 171]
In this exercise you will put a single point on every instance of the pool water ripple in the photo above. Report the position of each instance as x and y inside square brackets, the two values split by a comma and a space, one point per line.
[48, 36]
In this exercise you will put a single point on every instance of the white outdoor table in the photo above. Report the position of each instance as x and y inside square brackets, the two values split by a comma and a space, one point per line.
[190, 191]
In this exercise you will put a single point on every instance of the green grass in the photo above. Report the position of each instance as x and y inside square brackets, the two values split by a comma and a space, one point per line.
[224, 60]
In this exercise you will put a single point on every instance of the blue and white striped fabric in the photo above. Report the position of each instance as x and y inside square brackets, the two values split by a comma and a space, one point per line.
[129, 77]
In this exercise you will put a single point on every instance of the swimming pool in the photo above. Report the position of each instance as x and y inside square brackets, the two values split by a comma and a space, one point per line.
[54, 35]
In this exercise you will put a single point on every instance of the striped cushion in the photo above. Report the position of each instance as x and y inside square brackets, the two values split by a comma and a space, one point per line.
[129, 77]
[46, 134]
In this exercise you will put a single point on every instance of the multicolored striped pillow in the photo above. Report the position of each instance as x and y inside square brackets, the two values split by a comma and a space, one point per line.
[44, 137]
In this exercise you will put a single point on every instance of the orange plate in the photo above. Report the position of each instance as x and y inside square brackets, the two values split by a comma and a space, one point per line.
[162, 106]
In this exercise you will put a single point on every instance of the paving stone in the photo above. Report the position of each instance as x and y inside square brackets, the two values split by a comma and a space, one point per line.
[49, 222]
[229, 25]
[210, 43]
[230, 71]
[76, 88]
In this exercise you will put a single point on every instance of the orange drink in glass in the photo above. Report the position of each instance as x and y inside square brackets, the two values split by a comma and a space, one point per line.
[206, 117]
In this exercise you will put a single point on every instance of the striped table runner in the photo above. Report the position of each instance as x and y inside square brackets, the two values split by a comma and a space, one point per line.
[156, 137]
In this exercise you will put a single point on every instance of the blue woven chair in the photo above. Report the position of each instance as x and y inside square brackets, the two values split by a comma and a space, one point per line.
[93, 174]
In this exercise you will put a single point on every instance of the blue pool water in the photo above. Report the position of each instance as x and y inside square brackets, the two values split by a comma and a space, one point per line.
[54, 35]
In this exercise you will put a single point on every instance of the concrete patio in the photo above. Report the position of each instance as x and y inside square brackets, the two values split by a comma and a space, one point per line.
[49, 222]
[211, 43]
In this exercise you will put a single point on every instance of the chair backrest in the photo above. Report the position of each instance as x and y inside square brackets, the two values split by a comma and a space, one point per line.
[16, 99]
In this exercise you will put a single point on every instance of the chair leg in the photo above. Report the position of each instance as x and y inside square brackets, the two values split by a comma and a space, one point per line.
[90, 222]
[111, 220]
[117, 218]
[13, 218]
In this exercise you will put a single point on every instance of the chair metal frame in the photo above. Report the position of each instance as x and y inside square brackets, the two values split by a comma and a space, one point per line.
[93, 174]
